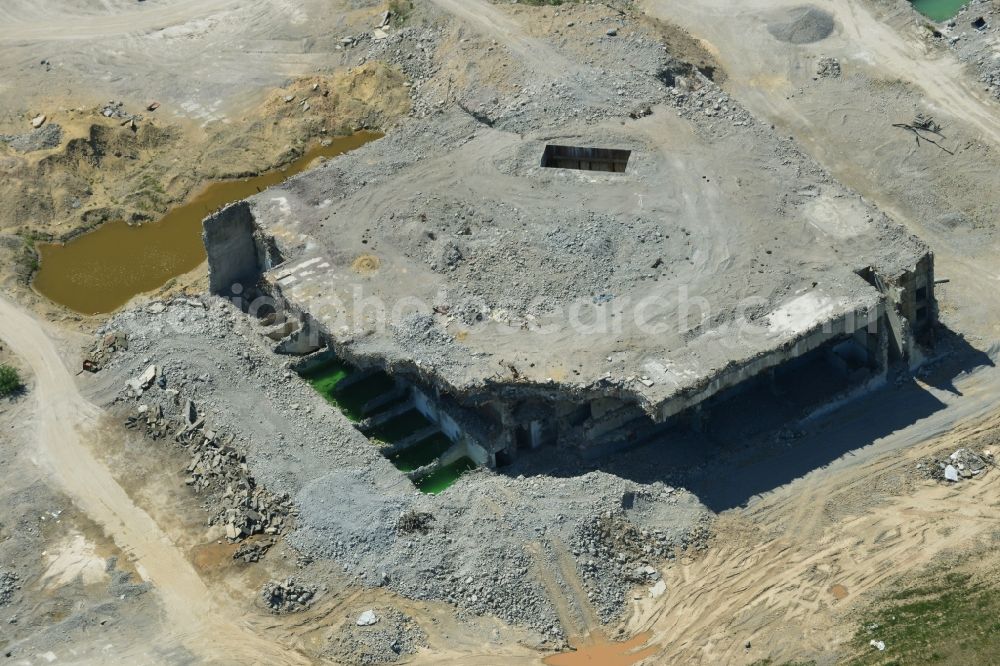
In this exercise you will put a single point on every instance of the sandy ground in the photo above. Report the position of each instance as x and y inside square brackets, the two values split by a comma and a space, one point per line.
[192, 617]
[201, 603]
[861, 522]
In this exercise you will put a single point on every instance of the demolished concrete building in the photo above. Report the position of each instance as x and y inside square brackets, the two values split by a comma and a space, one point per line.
[586, 287]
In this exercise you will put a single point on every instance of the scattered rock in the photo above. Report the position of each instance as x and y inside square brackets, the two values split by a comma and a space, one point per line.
[803, 25]
[8, 585]
[414, 522]
[828, 68]
[252, 551]
[288, 596]
[394, 636]
[45, 137]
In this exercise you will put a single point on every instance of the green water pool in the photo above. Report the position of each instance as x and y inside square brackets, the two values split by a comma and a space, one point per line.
[938, 10]
[326, 377]
[441, 479]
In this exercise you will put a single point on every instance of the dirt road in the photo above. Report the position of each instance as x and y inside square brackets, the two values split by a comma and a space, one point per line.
[768, 578]
[737, 35]
[68, 20]
[64, 419]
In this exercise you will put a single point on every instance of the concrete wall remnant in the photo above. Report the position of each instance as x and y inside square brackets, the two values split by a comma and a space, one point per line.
[237, 252]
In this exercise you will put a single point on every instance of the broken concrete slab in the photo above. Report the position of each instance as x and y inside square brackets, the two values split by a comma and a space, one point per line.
[367, 618]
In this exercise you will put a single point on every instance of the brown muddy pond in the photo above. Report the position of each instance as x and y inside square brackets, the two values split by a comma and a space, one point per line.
[102, 270]
[599, 651]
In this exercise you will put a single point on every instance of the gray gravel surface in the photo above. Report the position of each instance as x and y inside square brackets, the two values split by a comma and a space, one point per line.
[491, 533]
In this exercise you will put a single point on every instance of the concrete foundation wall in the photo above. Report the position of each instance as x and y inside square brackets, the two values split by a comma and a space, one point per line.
[811, 340]
[911, 308]
[429, 408]
[522, 417]
[231, 246]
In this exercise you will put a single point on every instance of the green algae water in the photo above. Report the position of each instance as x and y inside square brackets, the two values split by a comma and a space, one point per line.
[102, 270]
[325, 379]
[444, 477]
[422, 453]
[938, 10]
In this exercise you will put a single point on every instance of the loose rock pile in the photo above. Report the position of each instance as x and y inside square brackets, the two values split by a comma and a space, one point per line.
[414, 521]
[287, 596]
[252, 551]
[803, 25]
[42, 138]
[391, 636]
[614, 555]
[698, 99]
[8, 585]
[111, 342]
[216, 467]
[972, 34]
[828, 68]
[961, 465]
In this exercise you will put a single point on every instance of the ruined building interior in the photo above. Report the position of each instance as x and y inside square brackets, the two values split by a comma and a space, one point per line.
[598, 367]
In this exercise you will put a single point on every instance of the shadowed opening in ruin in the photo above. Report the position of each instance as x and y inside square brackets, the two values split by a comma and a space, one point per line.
[387, 412]
[585, 159]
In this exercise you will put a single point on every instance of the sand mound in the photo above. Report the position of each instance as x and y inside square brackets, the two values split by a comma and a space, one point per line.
[802, 25]
[366, 264]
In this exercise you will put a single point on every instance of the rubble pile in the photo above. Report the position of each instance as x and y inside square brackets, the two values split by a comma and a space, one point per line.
[414, 521]
[216, 466]
[961, 465]
[110, 343]
[40, 138]
[376, 638]
[613, 554]
[287, 596]
[697, 98]
[828, 68]
[973, 35]
[508, 593]
[252, 551]
[9, 584]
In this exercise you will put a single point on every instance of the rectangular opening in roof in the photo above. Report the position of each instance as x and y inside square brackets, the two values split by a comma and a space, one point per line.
[585, 159]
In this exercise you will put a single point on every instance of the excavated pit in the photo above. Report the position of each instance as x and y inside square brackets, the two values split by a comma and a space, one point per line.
[585, 159]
